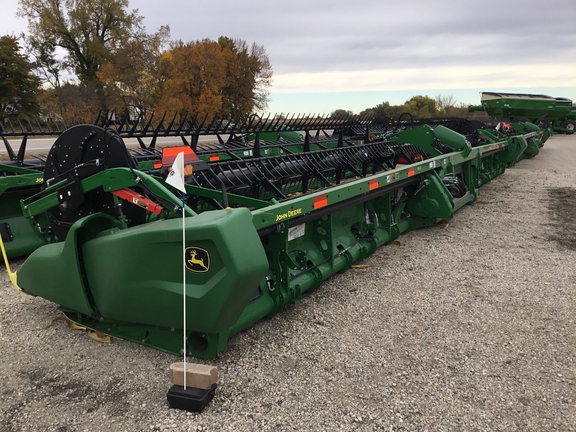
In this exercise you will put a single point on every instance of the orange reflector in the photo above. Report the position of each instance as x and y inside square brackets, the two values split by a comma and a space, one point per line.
[188, 170]
[169, 154]
[157, 164]
[320, 201]
[410, 172]
[139, 200]
[373, 184]
[214, 158]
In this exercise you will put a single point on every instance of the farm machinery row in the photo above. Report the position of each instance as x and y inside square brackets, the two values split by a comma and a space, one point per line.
[557, 114]
[269, 213]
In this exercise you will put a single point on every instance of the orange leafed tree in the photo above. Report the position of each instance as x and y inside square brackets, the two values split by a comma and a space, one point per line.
[204, 78]
[248, 76]
[195, 74]
[133, 79]
[227, 78]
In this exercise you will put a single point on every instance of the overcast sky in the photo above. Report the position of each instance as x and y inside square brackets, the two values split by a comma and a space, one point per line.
[355, 54]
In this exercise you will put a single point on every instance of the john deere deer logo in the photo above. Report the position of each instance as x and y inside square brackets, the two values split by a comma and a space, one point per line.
[197, 260]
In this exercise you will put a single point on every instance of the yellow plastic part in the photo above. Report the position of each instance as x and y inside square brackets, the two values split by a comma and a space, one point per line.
[11, 275]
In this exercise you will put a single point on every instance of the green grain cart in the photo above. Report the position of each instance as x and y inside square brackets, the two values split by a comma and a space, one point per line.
[557, 113]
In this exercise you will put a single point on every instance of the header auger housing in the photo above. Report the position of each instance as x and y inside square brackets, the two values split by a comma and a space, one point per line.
[261, 230]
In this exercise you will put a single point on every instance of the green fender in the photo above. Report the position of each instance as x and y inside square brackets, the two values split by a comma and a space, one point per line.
[54, 271]
[135, 275]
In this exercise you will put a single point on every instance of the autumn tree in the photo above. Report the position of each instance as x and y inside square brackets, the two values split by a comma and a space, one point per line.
[46, 64]
[228, 78]
[90, 32]
[133, 78]
[248, 76]
[384, 109]
[341, 113]
[18, 86]
[445, 103]
[422, 107]
[195, 77]
[72, 103]
[418, 106]
[380, 110]
[449, 107]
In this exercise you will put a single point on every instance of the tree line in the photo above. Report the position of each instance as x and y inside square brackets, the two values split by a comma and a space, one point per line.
[420, 107]
[81, 57]
[84, 56]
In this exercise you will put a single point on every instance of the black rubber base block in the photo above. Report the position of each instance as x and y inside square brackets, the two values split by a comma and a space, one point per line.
[192, 399]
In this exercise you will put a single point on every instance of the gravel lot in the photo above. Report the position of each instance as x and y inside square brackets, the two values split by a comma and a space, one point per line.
[465, 326]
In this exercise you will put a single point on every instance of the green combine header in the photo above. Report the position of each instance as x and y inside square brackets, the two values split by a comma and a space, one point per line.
[265, 220]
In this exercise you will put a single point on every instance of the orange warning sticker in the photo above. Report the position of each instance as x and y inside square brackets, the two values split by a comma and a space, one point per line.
[320, 201]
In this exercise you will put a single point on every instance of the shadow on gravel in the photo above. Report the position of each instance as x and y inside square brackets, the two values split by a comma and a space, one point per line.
[562, 208]
[42, 387]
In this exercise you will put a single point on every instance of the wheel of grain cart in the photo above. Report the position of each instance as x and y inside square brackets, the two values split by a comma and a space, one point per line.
[543, 123]
[78, 153]
[570, 125]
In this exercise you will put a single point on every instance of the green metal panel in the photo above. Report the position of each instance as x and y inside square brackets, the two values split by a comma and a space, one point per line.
[54, 271]
[423, 136]
[20, 234]
[147, 261]
[431, 199]
[17, 183]
[517, 105]
[452, 139]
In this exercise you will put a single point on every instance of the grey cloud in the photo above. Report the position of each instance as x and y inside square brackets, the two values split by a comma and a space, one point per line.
[315, 36]
[303, 36]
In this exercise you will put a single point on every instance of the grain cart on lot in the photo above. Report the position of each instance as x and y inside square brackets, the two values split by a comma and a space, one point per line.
[557, 113]
[260, 231]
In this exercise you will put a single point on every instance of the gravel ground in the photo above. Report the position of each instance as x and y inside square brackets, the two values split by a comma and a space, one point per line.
[465, 326]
